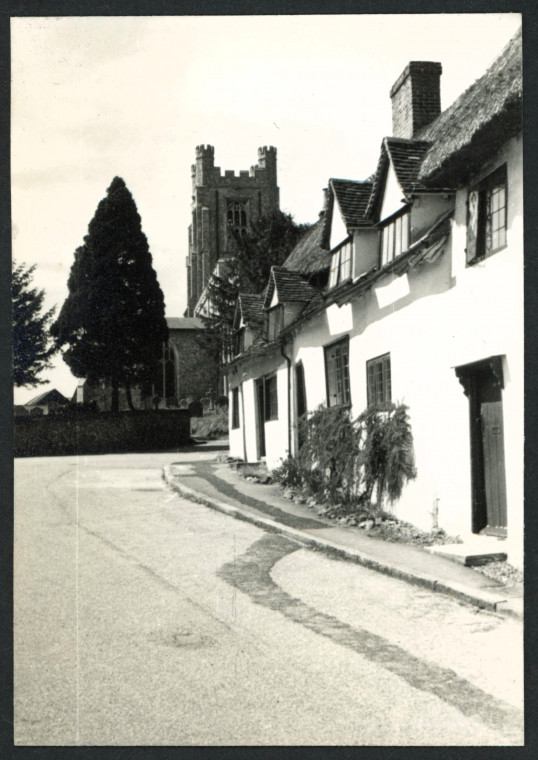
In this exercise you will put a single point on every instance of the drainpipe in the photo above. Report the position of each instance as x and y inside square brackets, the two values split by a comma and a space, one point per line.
[243, 423]
[288, 360]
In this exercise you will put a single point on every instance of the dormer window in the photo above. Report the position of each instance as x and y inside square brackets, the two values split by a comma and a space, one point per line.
[341, 264]
[275, 317]
[395, 237]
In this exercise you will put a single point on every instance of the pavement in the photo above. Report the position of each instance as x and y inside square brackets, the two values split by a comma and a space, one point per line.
[218, 486]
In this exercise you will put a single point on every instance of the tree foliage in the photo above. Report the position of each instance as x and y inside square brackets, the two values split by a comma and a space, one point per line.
[267, 243]
[32, 347]
[112, 322]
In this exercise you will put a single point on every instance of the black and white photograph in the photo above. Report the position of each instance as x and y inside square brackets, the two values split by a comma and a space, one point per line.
[268, 380]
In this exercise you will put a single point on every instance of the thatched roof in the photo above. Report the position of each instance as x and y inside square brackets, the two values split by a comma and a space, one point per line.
[311, 254]
[478, 122]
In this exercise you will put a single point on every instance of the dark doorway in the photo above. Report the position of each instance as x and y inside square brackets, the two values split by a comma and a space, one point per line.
[260, 414]
[483, 384]
[300, 397]
[300, 389]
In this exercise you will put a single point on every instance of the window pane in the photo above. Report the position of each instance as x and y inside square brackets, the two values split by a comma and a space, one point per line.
[378, 380]
[337, 370]
[405, 232]
[345, 262]
[385, 249]
[398, 236]
[333, 277]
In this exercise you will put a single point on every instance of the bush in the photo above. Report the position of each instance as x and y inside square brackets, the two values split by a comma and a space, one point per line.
[345, 461]
[213, 425]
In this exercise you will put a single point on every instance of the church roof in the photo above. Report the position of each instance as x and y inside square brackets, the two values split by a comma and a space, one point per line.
[184, 323]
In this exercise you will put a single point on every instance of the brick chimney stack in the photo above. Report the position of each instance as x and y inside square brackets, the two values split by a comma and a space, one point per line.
[416, 98]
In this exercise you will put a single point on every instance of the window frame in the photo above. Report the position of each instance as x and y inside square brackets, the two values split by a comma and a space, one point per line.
[242, 209]
[336, 274]
[344, 381]
[275, 321]
[478, 215]
[270, 399]
[387, 241]
[384, 362]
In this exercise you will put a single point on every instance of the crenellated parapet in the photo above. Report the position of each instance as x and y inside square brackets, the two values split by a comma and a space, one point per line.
[223, 202]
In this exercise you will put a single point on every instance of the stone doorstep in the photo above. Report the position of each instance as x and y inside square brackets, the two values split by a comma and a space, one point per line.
[469, 554]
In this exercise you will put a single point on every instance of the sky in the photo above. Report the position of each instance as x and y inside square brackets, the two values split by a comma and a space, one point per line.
[97, 97]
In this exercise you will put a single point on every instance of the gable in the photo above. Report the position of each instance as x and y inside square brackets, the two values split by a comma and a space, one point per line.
[338, 227]
[392, 195]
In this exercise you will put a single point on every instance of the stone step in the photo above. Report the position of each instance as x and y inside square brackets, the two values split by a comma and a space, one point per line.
[471, 553]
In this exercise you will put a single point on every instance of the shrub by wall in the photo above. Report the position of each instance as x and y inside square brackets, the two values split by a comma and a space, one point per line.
[363, 463]
[100, 432]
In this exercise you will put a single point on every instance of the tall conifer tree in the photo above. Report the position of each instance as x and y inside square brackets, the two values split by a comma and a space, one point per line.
[112, 321]
[32, 348]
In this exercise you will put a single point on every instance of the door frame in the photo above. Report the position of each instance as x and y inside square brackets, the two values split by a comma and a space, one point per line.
[471, 377]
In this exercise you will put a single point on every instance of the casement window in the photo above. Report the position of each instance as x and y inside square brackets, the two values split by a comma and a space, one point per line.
[275, 321]
[337, 373]
[270, 399]
[235, 408]
[341, 264]
[237, 216]
[239, 346]
[486, 216]
[395, 238]
[378, 382]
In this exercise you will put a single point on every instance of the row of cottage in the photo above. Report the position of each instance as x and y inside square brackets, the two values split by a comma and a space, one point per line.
[409, 288]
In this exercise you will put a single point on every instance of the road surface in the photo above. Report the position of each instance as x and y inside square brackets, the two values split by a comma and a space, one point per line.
[144, 619]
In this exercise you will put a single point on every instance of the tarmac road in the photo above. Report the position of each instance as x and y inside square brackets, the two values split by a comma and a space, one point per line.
[144, 619]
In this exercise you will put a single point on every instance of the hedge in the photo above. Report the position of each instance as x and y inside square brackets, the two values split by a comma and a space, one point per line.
[100, 432]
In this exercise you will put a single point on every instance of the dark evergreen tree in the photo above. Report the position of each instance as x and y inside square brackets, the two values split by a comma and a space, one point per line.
[112, 321]
[32, 347]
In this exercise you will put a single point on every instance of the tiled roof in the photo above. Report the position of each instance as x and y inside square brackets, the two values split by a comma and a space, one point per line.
[251, 307]
[489, 109]
[352, 198]
[184, 323]
[290, 286]
[311, 254]
[406, 157]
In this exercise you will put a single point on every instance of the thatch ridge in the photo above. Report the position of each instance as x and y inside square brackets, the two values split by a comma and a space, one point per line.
[491, 106]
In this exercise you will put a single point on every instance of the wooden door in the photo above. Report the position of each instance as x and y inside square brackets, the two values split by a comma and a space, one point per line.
[491, 413]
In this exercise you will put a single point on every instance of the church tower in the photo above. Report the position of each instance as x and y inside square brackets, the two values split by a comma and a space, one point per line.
[222, 203]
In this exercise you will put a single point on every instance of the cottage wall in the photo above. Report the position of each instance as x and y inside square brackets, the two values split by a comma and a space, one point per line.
[431, 320]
